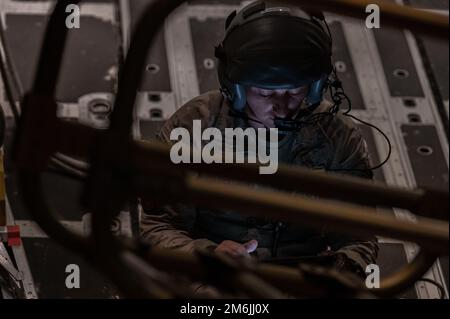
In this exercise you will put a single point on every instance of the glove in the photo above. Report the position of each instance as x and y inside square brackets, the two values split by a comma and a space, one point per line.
[341, 262]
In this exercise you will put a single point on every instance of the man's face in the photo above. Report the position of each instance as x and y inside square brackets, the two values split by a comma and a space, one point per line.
[266, 105]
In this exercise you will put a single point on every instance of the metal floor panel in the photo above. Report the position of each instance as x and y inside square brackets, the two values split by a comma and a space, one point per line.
[206, 34]
[156, 73]
[430, 4]
[149, 129]
[64, 195]
[426, 156]
[90, 60]
[398, 64]
[344, 65]
[48, 261]
[63, 192]
[403, 106]
[437, 51]
[391, 256]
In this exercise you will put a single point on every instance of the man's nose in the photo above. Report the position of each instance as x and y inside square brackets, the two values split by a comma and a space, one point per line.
[280, 103]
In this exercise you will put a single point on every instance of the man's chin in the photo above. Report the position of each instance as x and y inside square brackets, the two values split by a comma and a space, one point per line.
[268, 123]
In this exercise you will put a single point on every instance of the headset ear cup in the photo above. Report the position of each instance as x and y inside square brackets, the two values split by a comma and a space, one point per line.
[233, 92]
[315, 95]
[240, 98]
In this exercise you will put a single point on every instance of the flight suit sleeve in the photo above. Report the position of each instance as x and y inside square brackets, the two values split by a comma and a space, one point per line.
[351, 157]
[169, 226]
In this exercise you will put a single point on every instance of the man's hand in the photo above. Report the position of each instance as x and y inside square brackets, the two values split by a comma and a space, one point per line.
[342, 263]
[235, 249]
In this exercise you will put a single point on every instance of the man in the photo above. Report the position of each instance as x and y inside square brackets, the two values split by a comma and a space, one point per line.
[273, 66]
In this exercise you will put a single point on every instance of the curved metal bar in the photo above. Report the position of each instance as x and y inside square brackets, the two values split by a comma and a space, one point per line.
[419, 21]
[52, 51]
[131, 74]
[121, 121]
[407, 276]
[434, 235]
[30, 176]
[298, 179]
[34, 199]
[108, 191]
[287, 279]
[30, 168]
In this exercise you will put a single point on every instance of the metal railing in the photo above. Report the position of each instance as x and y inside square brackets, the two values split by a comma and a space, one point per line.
[122, 169]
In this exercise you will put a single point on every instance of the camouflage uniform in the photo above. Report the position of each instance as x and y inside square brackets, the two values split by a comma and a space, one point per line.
[334, 143]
